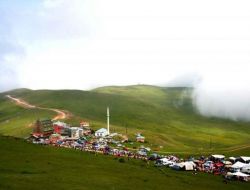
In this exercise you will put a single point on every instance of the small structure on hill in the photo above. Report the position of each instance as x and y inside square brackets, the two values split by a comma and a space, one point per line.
[140, 138]
[84, 124]
[86, 128]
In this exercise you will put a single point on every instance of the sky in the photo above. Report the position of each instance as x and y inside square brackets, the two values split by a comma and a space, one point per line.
[83, 44]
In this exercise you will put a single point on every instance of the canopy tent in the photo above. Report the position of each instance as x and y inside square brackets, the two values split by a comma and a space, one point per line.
[245, 158]
[217, 156]
[232, 158]
[187, 165]
[227, 163]
[239, 174]
[238, 165]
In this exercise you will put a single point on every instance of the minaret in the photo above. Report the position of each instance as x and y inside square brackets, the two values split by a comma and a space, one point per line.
[108, 119]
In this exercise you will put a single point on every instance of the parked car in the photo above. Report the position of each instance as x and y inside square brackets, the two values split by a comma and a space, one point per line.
[164, 162]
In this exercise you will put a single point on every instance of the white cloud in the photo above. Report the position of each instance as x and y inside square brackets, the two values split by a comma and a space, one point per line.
[225, 93]
[84, 44]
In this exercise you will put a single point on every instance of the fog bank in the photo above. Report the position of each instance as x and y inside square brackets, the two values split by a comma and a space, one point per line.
[224, 95]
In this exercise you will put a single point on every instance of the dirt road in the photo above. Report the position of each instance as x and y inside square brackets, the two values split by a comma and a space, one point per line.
[61, 114]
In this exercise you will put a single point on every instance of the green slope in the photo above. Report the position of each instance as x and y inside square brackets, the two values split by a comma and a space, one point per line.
[166, 116]
[29, 166]
[16, 121]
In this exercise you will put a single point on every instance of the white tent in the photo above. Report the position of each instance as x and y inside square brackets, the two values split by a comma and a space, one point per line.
[232, 158]
[245, 158]
[238, 165]
[227, 163]
[239, 174]
[187, 165]
[217, 156]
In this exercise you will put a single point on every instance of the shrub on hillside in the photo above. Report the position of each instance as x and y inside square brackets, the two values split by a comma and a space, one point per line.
[121, 160]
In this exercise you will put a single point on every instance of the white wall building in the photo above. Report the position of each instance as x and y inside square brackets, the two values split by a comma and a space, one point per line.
[76, 132]
[101, 132]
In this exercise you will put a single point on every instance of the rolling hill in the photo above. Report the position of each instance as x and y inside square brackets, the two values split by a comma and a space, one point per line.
[166, 116]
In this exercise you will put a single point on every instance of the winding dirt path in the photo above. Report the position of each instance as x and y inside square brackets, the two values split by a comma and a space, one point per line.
[61, 114]
[238, 148]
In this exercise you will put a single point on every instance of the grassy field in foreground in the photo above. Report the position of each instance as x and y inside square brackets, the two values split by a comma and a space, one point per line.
[29, 166]
[165, 116]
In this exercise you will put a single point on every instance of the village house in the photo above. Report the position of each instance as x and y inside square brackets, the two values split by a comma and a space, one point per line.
[101, 132]
[61, 128]
[76, 132]
[43, 128]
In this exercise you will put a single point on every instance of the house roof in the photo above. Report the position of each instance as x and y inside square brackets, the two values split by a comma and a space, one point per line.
[102, 130]
[46, 122]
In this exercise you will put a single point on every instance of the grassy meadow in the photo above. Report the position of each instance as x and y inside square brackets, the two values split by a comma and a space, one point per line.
[28, 166]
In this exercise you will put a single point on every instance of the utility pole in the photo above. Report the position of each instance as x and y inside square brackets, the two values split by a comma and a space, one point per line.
[210, 143]
[108, 120]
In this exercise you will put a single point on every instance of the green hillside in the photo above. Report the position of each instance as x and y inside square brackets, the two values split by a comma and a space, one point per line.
[16, 121]
[29, 166]
[165, 116]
